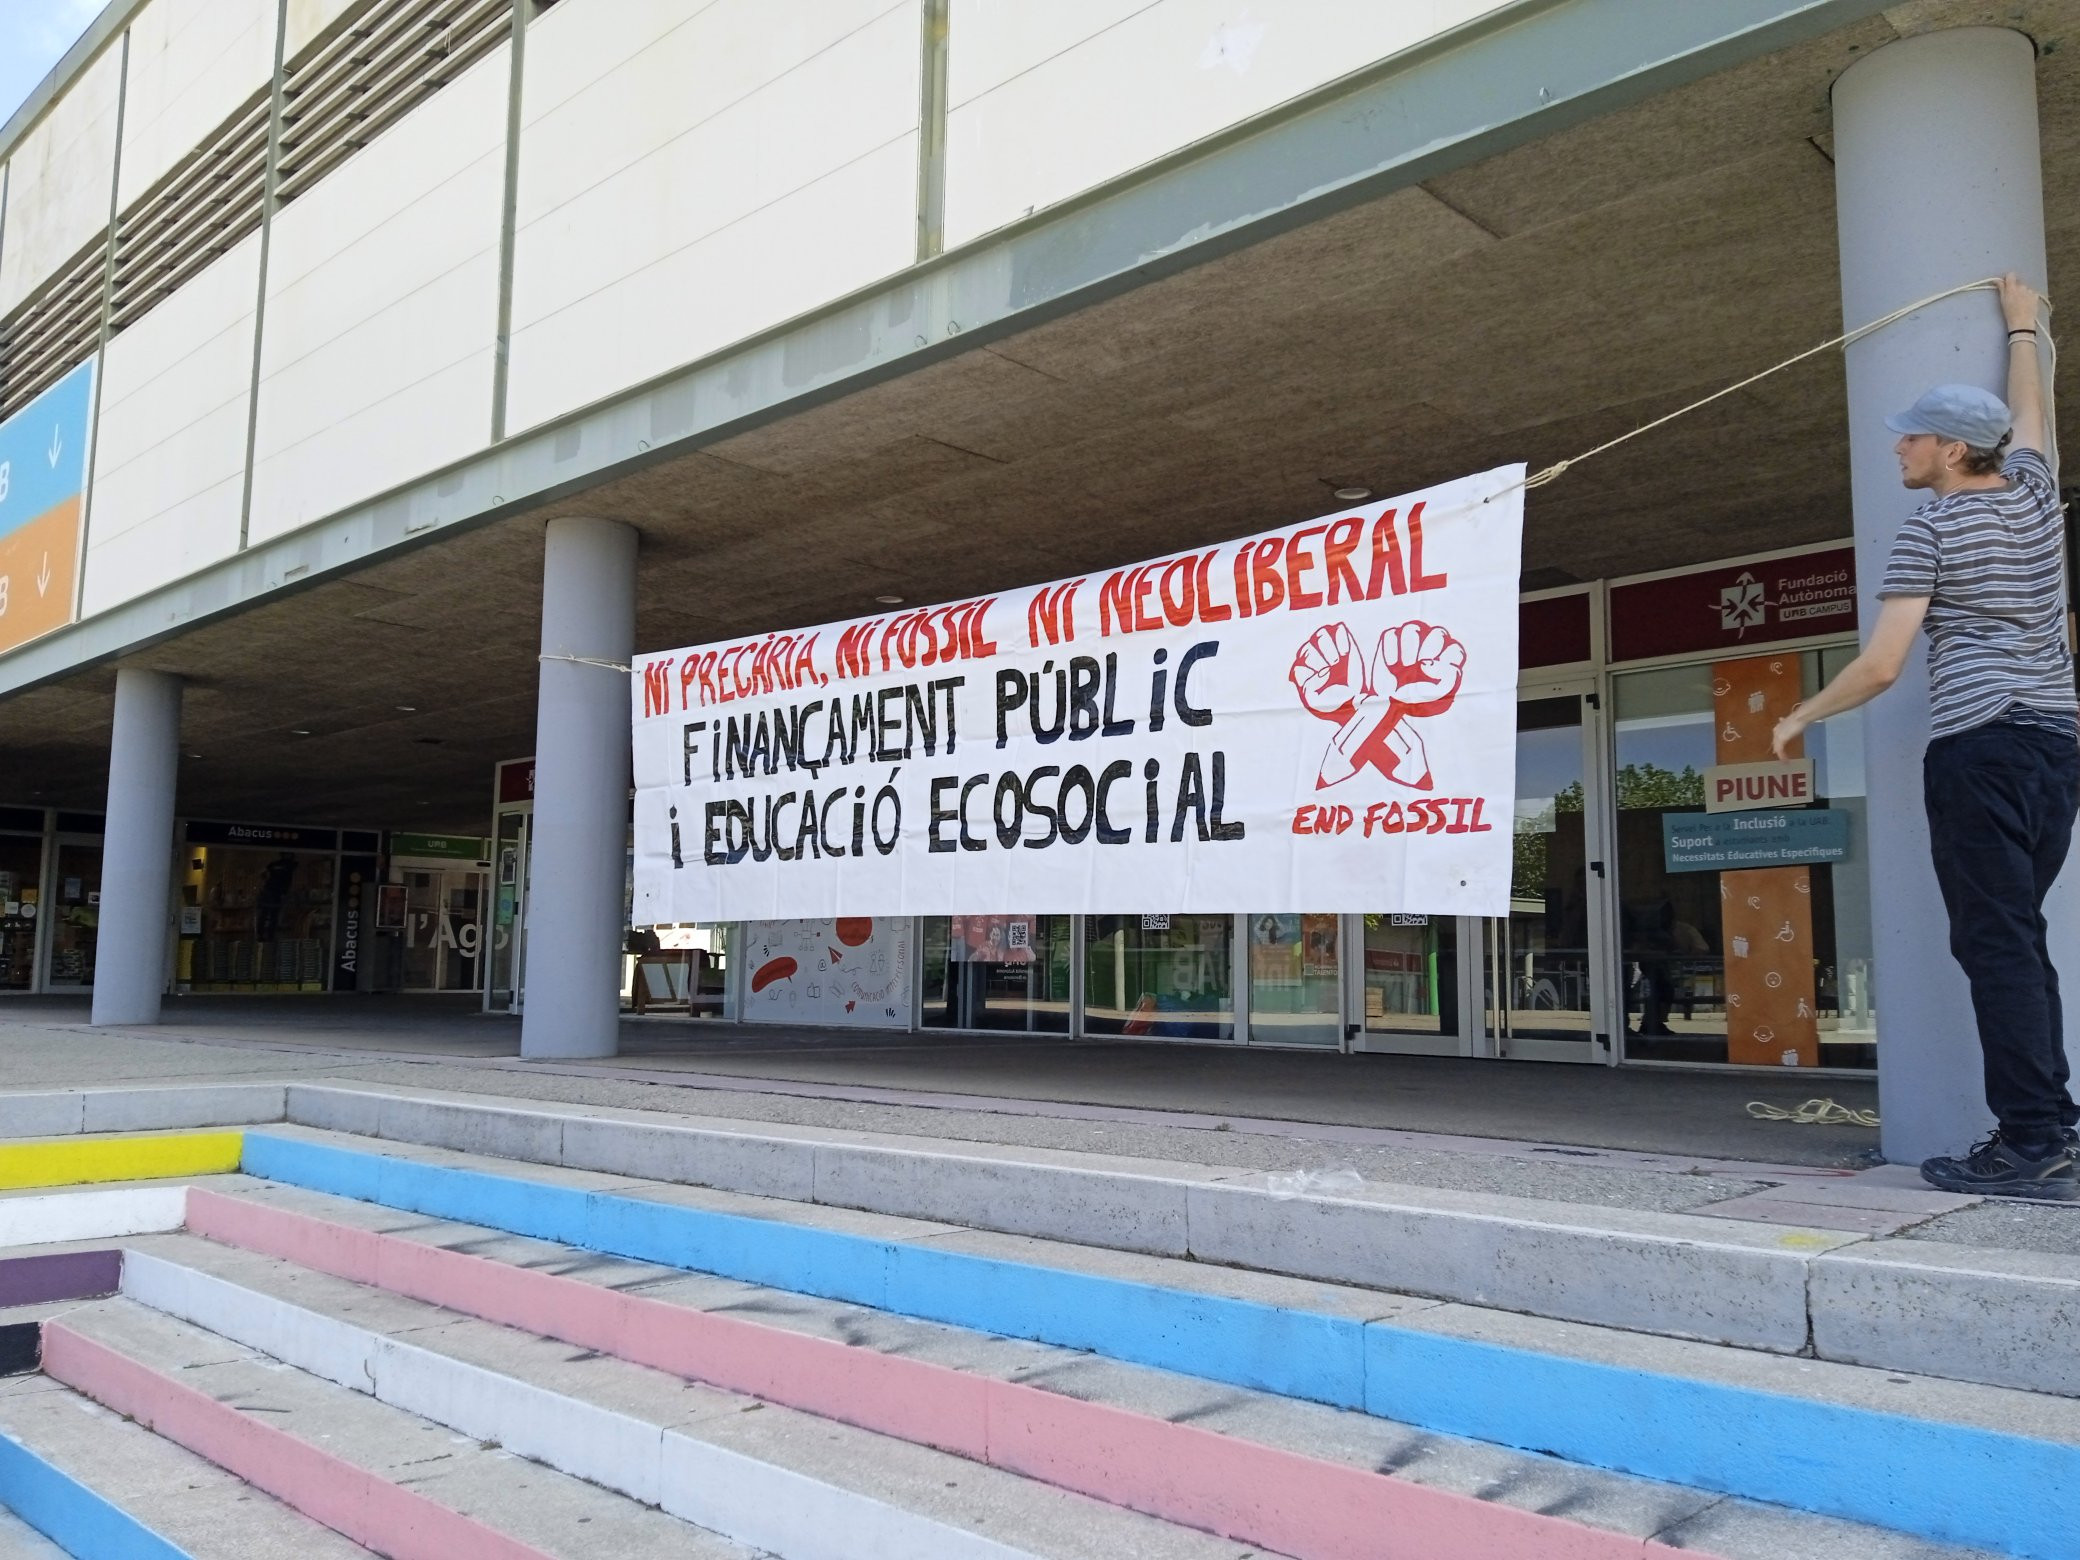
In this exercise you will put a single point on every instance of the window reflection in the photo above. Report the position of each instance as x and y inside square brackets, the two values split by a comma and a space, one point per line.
[1167, 977]
[1685, 971]
[1293, 972]
[1006, 972]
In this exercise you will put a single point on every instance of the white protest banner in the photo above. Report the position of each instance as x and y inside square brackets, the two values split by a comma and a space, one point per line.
[1317, 718]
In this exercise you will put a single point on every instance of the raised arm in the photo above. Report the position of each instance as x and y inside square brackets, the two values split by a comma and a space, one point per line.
[2019, 307]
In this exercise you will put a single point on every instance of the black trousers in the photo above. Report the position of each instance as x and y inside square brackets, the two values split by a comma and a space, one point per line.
[2001, 801]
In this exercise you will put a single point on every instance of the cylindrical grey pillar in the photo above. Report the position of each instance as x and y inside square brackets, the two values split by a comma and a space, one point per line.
[575, 907]
[1937, 183]
[137, 849]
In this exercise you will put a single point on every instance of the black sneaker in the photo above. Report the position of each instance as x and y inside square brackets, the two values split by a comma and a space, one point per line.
[1995, 1168]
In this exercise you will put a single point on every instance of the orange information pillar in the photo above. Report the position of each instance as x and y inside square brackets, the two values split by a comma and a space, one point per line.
[1766, 915]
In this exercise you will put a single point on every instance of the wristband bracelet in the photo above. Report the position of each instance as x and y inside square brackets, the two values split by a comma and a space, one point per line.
[2025, 330]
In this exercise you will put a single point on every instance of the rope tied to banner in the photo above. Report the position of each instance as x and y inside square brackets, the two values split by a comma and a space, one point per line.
[586, 660]
[1846, 340]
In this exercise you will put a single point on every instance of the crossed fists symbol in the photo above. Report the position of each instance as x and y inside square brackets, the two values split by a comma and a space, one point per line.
[1415, 671]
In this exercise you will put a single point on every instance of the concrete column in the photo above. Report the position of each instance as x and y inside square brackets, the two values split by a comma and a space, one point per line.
[575, 907]
[137, 850]
[1937, 182]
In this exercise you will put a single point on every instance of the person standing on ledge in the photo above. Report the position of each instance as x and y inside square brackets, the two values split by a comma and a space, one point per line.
[1982, 565]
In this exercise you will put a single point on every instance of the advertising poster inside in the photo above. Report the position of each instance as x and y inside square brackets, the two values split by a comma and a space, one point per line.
[843, 970]
[1318, 718]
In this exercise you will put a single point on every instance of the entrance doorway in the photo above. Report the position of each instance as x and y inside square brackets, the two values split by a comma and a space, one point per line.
[1545, 977]
[1408, 983]
[443, 928]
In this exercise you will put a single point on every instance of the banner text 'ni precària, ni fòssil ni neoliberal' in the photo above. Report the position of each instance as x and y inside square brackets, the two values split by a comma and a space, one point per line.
[1316, 718]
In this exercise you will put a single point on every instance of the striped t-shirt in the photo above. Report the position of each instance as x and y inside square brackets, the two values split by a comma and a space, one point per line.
[1992, 562]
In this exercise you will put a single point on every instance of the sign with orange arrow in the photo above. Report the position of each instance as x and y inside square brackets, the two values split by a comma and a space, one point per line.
[43, 482]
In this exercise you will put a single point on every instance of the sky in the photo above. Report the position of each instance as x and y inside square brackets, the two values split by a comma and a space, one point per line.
[34, 34]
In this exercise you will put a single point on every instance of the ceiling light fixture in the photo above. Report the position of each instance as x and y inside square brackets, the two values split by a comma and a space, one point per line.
[890, 601]
[299, 731]
[407, 709]
[1354, 495]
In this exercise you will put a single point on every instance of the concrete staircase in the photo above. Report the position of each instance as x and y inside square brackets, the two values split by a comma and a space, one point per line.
[427, 1350]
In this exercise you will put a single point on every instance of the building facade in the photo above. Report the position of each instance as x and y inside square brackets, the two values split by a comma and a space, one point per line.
[376, 377]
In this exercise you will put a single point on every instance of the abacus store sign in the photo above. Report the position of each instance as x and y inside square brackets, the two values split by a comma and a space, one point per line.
[1316, 718]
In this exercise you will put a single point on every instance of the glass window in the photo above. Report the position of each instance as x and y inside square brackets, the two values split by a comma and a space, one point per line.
[464, 892]
[76, 917]
[997, 972]
[1765, 966]
[1293, 970]
[1411, 974]
[266, 922]
[21, 877]
[1171, 977]
[1536, 980]
[509, 875]
[422, 951]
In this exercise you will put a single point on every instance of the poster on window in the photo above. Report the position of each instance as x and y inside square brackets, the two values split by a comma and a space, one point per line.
[1318, 718]
[837, 970]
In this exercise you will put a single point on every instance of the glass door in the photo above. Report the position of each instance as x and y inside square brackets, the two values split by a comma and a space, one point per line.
[75, 917]
[1295, 997]
[1761, 966]
[1543, 974]
[1407, 983]
[422, 942]
[509, 867]
[462, 892]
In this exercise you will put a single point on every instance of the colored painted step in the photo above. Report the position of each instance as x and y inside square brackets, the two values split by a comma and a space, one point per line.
[794, 1484]
[98, 1487]
[384, 1479]
[43, 1218]
[1292, 1504]
[75, 1161]
[1765, 1438]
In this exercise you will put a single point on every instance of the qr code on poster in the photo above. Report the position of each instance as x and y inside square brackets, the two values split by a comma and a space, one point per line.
[1018, 935]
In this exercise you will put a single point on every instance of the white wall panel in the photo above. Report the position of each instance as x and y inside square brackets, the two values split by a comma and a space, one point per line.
[1048, 100]
[193, 63]
[169, 470]
[60, 178]
[382, 310]
[308, 18]
[689, 179]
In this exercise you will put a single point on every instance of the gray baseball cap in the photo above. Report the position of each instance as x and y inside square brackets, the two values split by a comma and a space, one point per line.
[1979, 417]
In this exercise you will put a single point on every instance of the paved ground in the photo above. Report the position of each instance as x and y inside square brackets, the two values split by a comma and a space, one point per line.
[1697, 1114]
[1656, 1139]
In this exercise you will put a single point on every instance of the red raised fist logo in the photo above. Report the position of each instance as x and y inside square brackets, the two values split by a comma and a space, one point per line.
[1415, 673]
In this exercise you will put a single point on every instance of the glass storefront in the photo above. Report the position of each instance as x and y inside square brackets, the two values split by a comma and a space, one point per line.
[1008, 972]
[1160, 977]
[1766, 966]
[257, 908]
